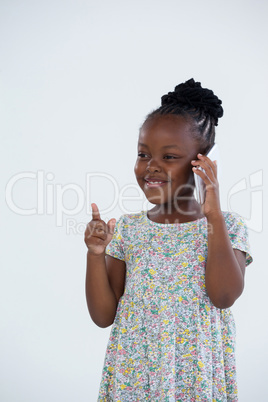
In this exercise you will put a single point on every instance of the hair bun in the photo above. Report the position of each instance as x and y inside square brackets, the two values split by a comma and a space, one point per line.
[193, 95]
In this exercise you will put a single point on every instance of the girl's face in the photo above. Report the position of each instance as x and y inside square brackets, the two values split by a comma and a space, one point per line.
[163, 168]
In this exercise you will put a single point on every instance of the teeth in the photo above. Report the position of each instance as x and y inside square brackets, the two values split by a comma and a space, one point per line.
[155, 182]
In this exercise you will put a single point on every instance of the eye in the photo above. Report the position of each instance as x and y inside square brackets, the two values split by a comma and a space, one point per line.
[171, 157]
[142, 155]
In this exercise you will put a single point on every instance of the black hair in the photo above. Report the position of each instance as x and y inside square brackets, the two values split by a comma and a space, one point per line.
[200, 104]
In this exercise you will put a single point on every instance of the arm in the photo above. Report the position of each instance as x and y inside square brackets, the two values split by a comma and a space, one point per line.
[105, 275]
[225, 266]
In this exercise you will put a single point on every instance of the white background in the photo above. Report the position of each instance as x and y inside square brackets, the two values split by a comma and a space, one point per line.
[77, 79]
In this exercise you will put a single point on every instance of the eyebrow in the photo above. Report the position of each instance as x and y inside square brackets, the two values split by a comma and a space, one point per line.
[164, 147]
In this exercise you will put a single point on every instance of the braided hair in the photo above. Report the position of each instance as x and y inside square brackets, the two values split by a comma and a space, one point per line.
[200, 104]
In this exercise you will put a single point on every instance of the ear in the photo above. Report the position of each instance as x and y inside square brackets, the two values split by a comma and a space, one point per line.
[203, 147]
[206, 148]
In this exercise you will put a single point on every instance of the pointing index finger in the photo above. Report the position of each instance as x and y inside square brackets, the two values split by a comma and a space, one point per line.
[95, 212]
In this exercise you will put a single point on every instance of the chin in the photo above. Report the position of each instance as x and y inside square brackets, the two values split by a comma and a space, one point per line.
[155, 200]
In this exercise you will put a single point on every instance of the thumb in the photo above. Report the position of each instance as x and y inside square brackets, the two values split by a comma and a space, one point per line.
[95, 212]
[111, 225]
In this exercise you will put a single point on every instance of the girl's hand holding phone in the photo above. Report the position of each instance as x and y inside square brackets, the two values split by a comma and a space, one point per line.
[98, 234]
[209, 176]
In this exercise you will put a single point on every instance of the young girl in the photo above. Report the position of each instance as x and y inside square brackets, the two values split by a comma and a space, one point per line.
[169, 275]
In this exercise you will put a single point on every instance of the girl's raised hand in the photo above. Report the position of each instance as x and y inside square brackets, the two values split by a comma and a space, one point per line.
[209, 176]
[98, 234]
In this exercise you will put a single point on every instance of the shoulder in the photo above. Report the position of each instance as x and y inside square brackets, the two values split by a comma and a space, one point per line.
[238, 233]
[236, 226]
[129, 226]
[130, 221]
[233, 219]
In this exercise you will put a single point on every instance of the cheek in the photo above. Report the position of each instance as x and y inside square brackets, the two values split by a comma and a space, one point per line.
[182, 174]
[137, 169]
[191, 176]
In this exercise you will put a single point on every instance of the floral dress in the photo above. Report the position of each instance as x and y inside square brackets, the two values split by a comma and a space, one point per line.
[168, 341]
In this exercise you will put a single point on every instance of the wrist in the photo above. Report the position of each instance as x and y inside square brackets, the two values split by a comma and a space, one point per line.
[93, 256]
[215, 216]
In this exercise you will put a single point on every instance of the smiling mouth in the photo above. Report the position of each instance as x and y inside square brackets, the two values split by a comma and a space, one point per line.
[155, 183]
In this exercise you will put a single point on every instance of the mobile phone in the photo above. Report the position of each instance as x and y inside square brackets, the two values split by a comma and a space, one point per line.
[200, 187]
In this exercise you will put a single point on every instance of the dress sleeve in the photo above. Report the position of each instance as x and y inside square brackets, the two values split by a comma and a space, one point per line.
[238, 234]
[116, 246]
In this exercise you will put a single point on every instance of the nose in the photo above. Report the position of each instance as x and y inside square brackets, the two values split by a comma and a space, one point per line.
[153, 166]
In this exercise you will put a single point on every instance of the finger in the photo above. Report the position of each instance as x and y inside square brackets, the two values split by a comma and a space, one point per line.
[97, 233]
[207, 165]
[207, 160]
[92, 242]
[111, 225]
[204, 165]
[95, 212]
[204, 176]
[96, 227]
